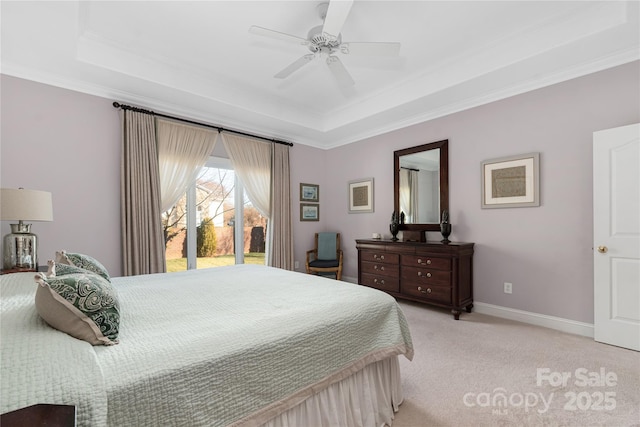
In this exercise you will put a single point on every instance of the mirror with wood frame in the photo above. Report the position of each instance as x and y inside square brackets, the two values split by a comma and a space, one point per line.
[421, 185]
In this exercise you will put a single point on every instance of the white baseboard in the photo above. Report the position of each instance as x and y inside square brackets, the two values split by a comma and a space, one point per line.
[558, 323]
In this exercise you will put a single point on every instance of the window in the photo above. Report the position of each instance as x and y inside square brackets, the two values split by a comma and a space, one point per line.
[202, 230]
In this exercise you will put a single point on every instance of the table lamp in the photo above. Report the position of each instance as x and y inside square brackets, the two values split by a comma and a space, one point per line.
[20, 251]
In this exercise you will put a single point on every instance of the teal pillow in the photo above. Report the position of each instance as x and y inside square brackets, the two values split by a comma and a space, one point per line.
[83, 261]
[83, 305]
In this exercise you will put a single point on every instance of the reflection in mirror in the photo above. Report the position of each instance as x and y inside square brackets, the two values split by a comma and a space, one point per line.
[420, 187]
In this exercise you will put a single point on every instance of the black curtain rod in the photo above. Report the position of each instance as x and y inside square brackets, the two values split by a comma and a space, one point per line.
[218, 128]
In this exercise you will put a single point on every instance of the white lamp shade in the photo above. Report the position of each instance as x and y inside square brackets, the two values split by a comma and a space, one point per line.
[25, 205]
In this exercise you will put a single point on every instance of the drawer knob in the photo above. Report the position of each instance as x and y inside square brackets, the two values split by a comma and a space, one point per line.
[420, 261]
[376, 281]
[375, 256]
[423, 290]
[420, 274]
[381, 268]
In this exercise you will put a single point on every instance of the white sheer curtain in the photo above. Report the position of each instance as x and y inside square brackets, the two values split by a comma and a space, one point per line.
[251, 161]
[408, 194]
[182, 152]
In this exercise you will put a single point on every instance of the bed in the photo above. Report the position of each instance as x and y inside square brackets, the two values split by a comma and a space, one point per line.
[243, 345]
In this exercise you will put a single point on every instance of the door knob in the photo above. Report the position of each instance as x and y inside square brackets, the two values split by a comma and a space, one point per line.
[603, 249]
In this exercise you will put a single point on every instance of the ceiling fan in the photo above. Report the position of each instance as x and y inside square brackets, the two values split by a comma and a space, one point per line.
[326, 41]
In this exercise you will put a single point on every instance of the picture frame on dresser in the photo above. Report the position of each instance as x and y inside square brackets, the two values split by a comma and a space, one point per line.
[511, 182]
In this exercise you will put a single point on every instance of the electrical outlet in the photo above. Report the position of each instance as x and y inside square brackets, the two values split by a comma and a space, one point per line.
[508, 287]
[296, 265]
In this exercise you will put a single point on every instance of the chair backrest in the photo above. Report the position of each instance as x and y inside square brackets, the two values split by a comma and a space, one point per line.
[328, 245]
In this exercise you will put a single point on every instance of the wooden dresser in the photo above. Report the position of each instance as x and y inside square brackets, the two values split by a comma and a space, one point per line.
[429, 272]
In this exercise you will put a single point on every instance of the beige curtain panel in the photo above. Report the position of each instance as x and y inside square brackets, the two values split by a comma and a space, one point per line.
[281, 253]
[143, 245]
[408, 194]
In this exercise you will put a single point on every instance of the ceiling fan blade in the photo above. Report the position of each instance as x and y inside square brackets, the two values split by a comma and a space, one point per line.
[370, 48]
[336, 15]
[339, 71]
[295, 66]
[260, 31]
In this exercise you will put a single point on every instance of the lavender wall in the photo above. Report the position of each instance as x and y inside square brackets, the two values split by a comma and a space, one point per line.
[546, 251]
[67, 143]
[308, 165]
[71, 143]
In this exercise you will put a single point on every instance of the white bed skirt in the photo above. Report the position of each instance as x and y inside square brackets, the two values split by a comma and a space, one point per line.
[367, 398]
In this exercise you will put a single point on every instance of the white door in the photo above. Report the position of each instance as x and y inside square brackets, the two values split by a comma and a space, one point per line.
[616, 234]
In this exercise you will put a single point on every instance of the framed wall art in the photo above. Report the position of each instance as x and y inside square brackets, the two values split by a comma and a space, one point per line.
[309, 192]
[511, 182]
[309, 212]
[361, 195]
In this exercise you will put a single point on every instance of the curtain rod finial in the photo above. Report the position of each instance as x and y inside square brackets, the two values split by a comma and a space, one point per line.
[116, 104]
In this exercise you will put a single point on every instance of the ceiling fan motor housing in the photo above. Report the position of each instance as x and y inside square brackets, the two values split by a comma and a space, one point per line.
[319, 40]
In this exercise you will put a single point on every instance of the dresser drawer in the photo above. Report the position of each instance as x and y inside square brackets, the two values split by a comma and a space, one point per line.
[380, 268]
[426, 261]
[426, 276]
[384, 283]
[380, 256]
[433, 293]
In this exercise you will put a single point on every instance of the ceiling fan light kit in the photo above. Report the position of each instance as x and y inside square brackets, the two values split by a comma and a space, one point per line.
[326, 40]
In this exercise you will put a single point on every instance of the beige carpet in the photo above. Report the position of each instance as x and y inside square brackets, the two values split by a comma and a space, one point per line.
[486, 371]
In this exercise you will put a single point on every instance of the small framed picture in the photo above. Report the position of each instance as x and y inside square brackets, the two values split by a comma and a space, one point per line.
[309, 212]
[361, 195]
[511, 182]
[309, 192]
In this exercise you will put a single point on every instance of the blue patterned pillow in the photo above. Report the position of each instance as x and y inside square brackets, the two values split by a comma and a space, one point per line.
[84, 305]
[82, 261]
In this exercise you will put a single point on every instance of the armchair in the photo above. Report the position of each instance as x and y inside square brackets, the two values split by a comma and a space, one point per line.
[326, 256]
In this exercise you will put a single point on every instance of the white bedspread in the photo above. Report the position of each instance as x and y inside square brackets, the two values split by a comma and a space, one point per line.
[39, 364]
[230, 345]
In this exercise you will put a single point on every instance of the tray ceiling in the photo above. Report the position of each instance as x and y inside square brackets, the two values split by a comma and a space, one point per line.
[198, 59]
